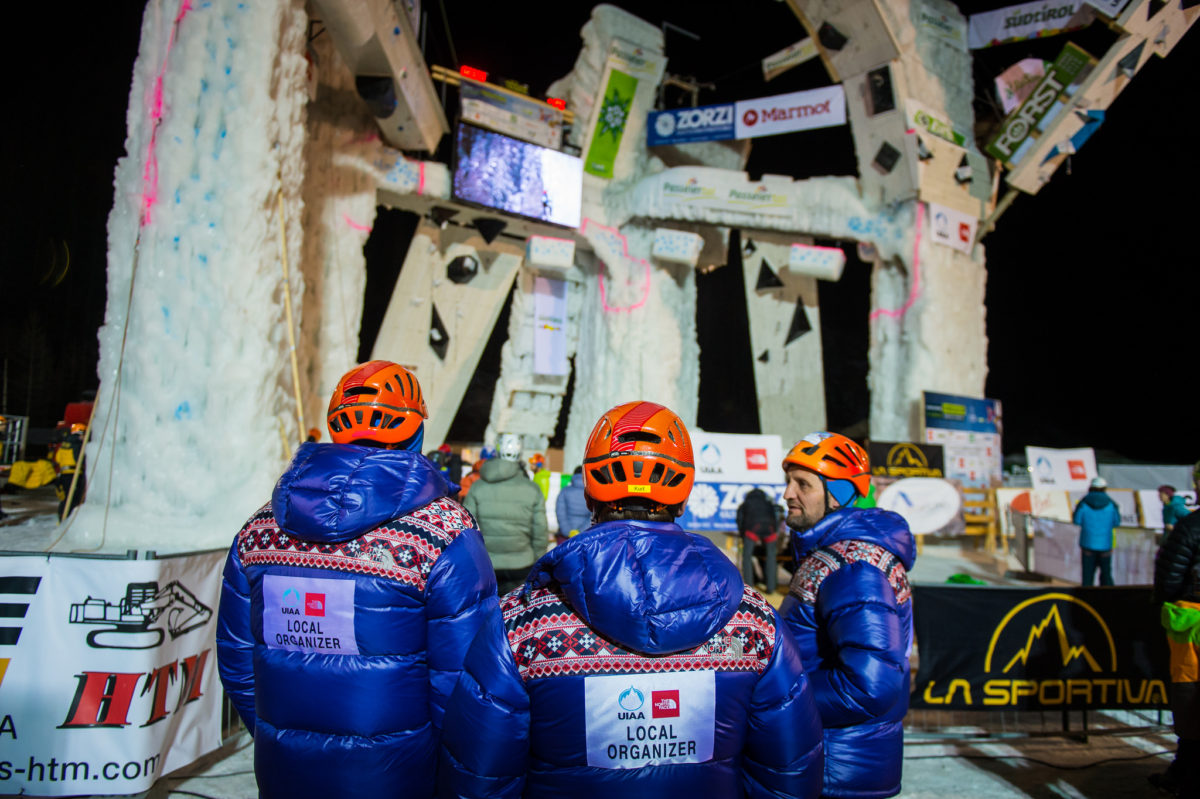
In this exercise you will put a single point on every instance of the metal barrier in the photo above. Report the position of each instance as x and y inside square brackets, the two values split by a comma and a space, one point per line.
[12, 438]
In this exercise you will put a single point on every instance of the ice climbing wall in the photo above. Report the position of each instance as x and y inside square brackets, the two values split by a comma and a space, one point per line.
[196, 413]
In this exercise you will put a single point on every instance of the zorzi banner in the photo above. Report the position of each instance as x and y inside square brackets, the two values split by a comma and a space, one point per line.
[108, 673]
[1023, 649]
[748, 119]
[728, 466]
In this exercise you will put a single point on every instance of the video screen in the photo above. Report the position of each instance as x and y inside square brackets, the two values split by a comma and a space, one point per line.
[516, 177]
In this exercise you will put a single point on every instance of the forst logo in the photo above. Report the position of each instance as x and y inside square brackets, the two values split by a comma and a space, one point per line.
[756, 459]
[664, 704]
[1078, 472]
[750, 117]
[314, 604]
[1029, 115]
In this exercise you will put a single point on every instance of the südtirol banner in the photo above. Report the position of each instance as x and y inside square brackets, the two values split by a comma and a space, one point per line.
[1026, 21]
[630, 75]
[108, 672]
[1029, 649]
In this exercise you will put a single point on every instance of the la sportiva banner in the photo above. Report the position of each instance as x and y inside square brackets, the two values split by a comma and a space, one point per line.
[108, 671]
[1027, 649]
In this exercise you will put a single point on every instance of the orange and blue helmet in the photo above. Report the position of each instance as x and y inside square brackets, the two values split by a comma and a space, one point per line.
[842, 465]
[380, 402]
[639, 450]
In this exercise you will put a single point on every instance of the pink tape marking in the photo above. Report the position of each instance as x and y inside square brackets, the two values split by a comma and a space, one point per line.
[356, 225]
[150, 172]
[916, 280]
[625, 253]
[420, 177]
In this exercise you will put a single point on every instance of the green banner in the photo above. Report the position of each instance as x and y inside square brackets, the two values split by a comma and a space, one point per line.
[610, 124]
[1017, 128]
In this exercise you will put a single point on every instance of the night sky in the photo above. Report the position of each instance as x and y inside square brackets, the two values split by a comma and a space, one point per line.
[1090, 282]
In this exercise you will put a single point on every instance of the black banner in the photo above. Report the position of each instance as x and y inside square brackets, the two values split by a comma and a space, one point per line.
[905, 459]
[1038, 649]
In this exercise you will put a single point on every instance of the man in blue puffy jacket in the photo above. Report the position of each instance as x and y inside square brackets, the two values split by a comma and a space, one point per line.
[633, 662]
[850, 607]
[349, 601]
[1097, 515]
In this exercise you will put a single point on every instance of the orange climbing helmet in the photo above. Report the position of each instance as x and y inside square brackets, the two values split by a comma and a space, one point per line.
[639, 450]
[380, 401]
[832, 456]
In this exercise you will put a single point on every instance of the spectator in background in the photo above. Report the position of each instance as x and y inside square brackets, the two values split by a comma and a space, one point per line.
[571, 509]
[511, 513]
[541, 475]
[1174, 507]
[758, 520]
[68, 459]
[1177, 586]
[1097, 515]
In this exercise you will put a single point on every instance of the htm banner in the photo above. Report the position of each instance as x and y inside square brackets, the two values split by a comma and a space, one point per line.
[108, 672]
[1028, 649]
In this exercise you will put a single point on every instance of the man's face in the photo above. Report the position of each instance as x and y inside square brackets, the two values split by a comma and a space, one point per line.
[805, 498]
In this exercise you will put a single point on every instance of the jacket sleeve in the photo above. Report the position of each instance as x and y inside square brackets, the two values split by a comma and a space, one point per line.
[863, 675]
[485, 740]
[460, 595]
[783, 755]
[562, 514]
[1176, 558]
[235, 639]
[471, 503]
[1077, 514]
[539, 534]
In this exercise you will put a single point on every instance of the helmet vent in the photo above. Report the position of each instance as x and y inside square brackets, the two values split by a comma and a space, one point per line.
[411, 388]
[602, 476]
[674, 480]
[376, 418]
[358, 417]
[657, 472]
[637, 469]
[639, 435]
[357, 390]
[834, 460]
[618, 471]
[334, 425]
[345, 421]
[388, 385]
[395, 423]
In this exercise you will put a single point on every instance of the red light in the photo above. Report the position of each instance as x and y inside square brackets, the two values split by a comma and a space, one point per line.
[557, 102]
[472, 73]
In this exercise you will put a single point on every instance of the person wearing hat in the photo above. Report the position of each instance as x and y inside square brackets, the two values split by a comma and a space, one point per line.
[633, 662]
[349, 601]
[850, 607]
[1097, 515]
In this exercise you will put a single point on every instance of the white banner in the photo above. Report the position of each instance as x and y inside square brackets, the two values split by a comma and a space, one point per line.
[785, 113]
[792, 55]
[1026, 21]
[519, 117]
[952, 228]
[550, 326]
[108, 671]
[1069, 469]
[737, 458]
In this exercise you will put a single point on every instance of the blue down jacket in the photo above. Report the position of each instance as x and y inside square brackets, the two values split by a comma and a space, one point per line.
[1096, 514]
[348, 604]
[633, 663]
[850, 607]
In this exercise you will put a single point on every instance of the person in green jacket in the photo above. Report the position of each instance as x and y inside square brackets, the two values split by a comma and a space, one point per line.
[511, 513]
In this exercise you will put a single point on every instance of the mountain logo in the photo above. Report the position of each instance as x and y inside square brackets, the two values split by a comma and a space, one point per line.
[1060, 630]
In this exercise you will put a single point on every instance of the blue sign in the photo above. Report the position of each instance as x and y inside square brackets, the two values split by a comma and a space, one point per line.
[950, 412]
[713, 506]
[679, 125]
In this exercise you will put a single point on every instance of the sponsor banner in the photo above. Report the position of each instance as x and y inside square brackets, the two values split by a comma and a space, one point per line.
[1067, 469]
[514, 116]
[111, 673]
[986, 648]
[1027, 21]
[1006, 145]
[1016, 83]
[785, 113]
[679, 125]
[636, 720]
[722, 191]
[905, 459]
[1110, 8]
[922, 119]
[793, 55]
[928, 504]
[951, 30]
[952, 228]
[969, 430]
[550, 327]
[728, 466]
[630, 75]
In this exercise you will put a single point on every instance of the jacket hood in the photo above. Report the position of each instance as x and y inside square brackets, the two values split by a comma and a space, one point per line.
[649, 586]
[1097, 500]
[874, 525]
[497, 470]
[577, 480]
[335, 492]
